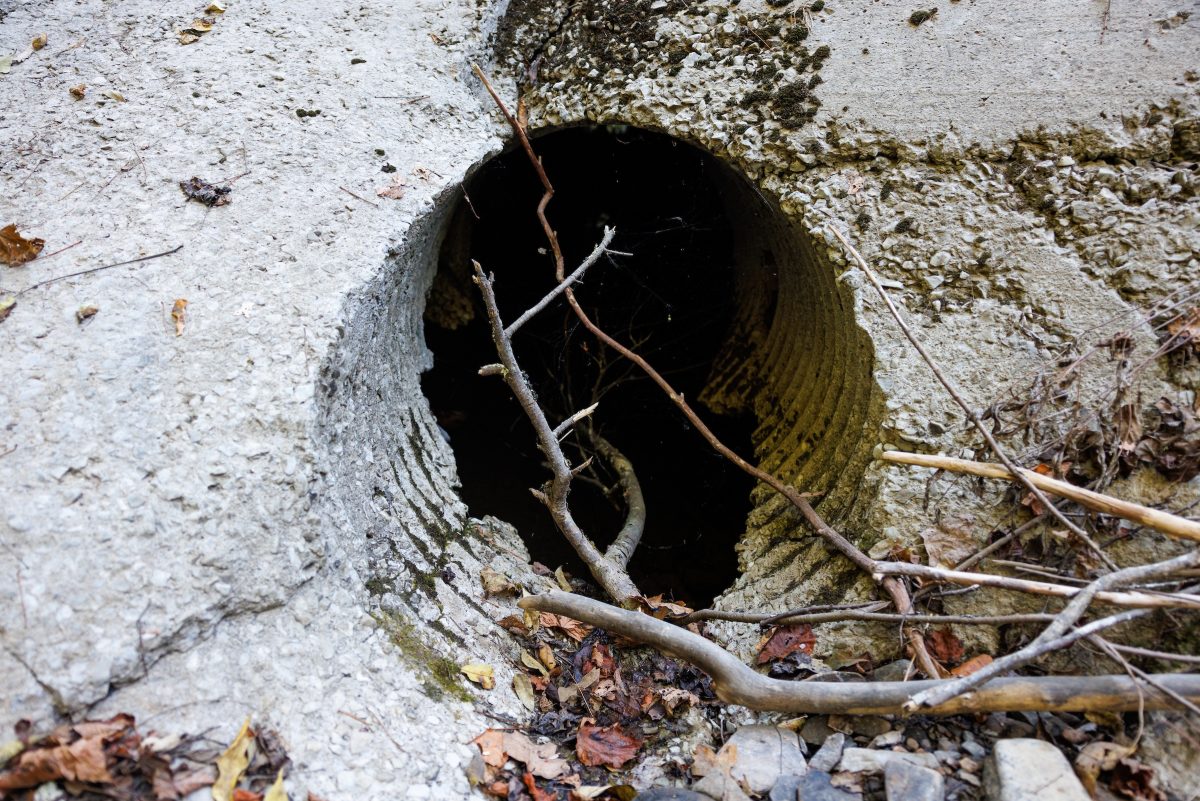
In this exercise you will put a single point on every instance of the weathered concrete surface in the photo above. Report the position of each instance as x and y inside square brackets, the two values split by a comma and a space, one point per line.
[244, 519]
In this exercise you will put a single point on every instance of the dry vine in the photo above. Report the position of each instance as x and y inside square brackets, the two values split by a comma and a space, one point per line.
[737, 683]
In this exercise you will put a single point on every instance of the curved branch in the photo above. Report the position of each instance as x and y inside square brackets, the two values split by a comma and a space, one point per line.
[737, 683]
[622, 548]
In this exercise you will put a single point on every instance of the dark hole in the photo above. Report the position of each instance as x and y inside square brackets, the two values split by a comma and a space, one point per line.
[672, 300]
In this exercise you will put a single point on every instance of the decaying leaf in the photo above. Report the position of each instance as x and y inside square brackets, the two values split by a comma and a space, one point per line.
[496, 583]
[1134, 779]
[540, 760]
[7, 304]
[179, 315]
[972, 665]
[233, 763]
[112, 94]
[530, 661]
[951, 541]
[523, 688]
[78, 91]
[786, 640]
[39, 41]
[214, 8]
[85, 313]
[535, 792]
[662, 609]
[1097, 757]
[394, 190]
[203, 192]
[561, 577]
[944, 646]
[15, 249]
[605, 745]
[481, 674]
[546, 656]
[572, 628]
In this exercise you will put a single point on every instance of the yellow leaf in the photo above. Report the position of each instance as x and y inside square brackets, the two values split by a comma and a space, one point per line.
[277, 793]
[561, 577]
[117, 96]
[546, 656]
[179, 315]
[523, 687]
[530, 661]
[200, 26]
[6, 306]
[480, 673]
[233, 763]
[214, 8]
[11, 749]
[186, 37]
[39, 41]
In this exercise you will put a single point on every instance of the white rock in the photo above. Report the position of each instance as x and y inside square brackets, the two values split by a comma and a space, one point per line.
[867, 760]
[1025, 769]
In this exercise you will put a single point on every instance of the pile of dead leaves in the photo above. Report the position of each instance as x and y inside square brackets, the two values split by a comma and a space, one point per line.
[593, 708]
[110, 759]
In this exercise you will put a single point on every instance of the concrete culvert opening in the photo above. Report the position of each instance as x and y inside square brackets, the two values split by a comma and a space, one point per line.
[699, 296]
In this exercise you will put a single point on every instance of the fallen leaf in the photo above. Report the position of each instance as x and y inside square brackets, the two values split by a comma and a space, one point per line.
[187, 38]
[674, 697]
[241, 794]
[276, 793]
[944, 646]
[203, 192]
[15, 249]
[1136, 780]
[6, 61]
[496, 583]
[10, 750]
[393, 191]
[786, 640]
[179, 315]
[214, 8]
[661, 609]
[531, 662]
[481, 674]
[7, 304]
[561, 577]
[523, 688]
[39, 41]
[200, 26]
[546, 656]
[78, 91]
[972, 665]
[535, 792]
[706, 761]
[85, 313]
[541, 760]
[1185, 329]
[115, 95]
[607, 745]
[233, 763]
[951, 541]
[1094, 758]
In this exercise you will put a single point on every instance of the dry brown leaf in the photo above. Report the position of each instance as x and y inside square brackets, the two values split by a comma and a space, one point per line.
[179, 315]
[1185, 329]
[972, 665]
[85, 313]
[201, 191]
[572, 628]
[78, 91]
[233, 763]
[605, 745]
[531, 662]
[491, 745]
[15, 249]
[786, 640]
[1134, 779]
[944, 646]
[535, 792]
[951, 541]
[393, 191]
[523, 688]
[1097, 757]
[242, 794]
[546, 656]
[496, 583]
[540, 760]
[661, 609]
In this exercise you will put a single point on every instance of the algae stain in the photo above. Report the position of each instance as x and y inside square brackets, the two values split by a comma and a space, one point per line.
[440, 676]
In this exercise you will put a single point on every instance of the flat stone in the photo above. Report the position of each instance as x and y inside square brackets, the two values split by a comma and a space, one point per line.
[786, 789]
[905, 781]
[816, 729]
[817, 785]
[1024, 769]
[866, 760]
[764, 753]
[670, 794]
[892, 671]
[830, 754]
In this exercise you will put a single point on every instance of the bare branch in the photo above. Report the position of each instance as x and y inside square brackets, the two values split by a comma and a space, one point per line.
[615, 581]
[1110, 650]
[737, 683]
[626, 542]
[970, 412]
[1056, 635]
[1148, 653]
[565, 426]
[564, 284]
[1128, 598]
[1167, 523]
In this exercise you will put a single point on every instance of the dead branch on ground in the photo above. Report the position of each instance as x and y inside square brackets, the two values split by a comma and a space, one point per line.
[737, 683]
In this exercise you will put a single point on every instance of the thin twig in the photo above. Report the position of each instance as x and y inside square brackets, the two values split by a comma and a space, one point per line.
[563, 284]
[358, 197]
[973, 415]
[1167, 523]
[39, 284]
[1129, 598]
[45, 256]
[566, 425]
[1055, 635]
[1153, 681]
[1164, 656]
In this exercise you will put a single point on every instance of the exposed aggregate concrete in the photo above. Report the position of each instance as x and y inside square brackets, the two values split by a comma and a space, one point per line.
[259, 516]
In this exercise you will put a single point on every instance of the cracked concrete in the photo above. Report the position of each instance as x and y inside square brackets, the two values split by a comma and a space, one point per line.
[244, 519]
